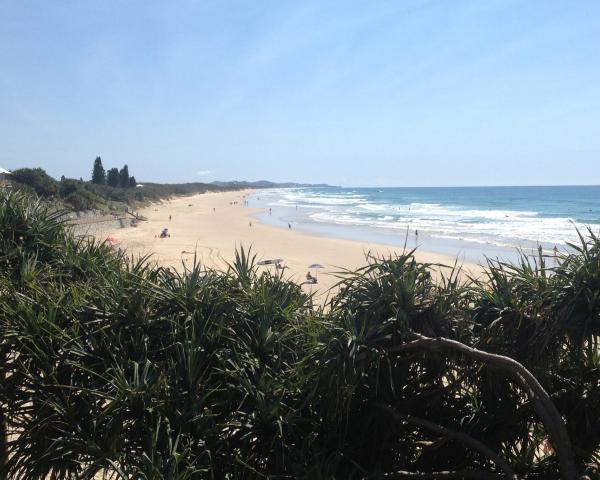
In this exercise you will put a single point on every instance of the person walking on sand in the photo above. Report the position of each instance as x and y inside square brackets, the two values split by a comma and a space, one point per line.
[169, 218]
[250, 223]
[290, 226]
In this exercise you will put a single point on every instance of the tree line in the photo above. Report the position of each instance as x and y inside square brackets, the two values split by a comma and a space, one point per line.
[113, 177]
[77, 194]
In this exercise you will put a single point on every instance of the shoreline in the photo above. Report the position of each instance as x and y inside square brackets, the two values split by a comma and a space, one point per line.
[473, 232]
[211, 225]
[465, 251]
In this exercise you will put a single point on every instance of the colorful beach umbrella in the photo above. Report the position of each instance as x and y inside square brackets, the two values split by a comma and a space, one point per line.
[112, 240]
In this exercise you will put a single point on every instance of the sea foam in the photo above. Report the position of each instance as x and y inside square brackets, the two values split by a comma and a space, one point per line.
[504, 216]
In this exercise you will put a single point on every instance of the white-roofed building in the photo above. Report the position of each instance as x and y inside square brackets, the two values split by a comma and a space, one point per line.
[4, 179]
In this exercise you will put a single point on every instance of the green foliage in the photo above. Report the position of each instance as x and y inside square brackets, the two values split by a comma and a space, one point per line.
[98, 173]
[68, 186]
[150, 191]
[113, 365]
[124, 177]
[37, 179]
[80, 195]
[113, 179]
[81, 199]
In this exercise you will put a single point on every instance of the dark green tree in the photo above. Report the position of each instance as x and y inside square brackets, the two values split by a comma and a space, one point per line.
[37, 179]
[68, 186]
[132, 182]
[98, 173]
[113, 179]
[124, 176]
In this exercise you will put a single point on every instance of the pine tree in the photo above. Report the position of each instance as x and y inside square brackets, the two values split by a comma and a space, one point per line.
[113, 178]
[124, 176]
[98, 173]
[132, 182]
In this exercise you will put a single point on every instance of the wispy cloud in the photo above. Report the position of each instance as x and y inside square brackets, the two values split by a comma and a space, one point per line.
[203, 173]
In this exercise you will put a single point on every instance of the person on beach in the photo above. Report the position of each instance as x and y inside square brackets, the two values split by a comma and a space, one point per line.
[169, 218]
[290, 226]
[250, 224]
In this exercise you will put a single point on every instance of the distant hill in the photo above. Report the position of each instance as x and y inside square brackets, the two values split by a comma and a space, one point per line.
[266, 184]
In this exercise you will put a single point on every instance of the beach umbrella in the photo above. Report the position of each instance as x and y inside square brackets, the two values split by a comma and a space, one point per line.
[112, 240]
[315, 266]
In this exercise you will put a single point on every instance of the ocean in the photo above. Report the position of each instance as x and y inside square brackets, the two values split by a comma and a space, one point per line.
[471, 223]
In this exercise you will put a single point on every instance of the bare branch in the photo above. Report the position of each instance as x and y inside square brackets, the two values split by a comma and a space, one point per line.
[459, 436]
[545, 408]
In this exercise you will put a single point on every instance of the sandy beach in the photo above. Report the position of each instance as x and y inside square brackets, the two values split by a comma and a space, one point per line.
[213, 224]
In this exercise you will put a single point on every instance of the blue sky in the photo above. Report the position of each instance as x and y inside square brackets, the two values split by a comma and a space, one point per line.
[391, 93]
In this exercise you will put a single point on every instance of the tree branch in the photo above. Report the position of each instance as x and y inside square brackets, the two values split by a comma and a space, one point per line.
[545, 408]
[459, 436]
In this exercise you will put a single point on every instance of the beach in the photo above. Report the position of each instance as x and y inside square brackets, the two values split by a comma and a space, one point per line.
[212, 225]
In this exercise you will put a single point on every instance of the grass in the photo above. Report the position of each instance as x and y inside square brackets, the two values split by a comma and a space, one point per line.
[113, 366]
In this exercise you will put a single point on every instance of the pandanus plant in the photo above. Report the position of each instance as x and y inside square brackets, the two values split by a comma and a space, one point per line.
[114, 367]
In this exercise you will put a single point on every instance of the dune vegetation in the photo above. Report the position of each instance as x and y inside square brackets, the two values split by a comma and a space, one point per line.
[80, 195]
[112, 367]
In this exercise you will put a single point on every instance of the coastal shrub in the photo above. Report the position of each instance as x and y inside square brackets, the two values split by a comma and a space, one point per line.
[37, 179]
[68, 186]
[120, 192]
[114, 366]
[81, 199]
